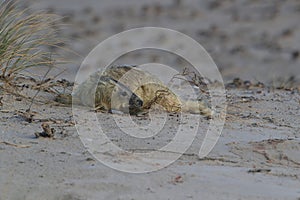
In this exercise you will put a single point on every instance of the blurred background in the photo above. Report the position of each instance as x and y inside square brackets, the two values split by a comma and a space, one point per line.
[249, 39]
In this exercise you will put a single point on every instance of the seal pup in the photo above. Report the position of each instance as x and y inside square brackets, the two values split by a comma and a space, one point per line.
[131, 90]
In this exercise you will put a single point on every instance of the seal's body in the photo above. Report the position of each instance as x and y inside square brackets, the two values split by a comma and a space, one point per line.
[131, 90]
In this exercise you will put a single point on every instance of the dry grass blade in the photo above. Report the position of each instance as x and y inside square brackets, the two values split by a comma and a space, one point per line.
[14, 145]
[25, 39]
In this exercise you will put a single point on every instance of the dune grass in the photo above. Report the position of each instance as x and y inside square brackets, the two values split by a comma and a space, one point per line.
[25, 38]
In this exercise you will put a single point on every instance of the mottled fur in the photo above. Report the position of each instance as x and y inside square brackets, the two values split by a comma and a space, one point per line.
[129, 89]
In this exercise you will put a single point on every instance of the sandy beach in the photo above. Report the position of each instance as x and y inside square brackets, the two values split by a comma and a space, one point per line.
[255, 45]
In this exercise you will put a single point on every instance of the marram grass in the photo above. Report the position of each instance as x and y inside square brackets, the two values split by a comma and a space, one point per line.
[25, 39]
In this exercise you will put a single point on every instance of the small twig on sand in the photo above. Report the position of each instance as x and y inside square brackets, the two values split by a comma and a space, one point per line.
[38, 91]
[15, 145]
[27, 116]
[47, 131]
[259, 170]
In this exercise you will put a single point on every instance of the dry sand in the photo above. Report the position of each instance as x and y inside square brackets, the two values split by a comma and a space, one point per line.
[257, 155]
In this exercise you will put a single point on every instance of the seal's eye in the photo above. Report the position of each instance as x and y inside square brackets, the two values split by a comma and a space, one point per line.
[124, 94]
[139, 103]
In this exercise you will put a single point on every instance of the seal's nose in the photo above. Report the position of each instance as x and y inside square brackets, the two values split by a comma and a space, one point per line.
[135, 101]
[135, 104]
[139, 103]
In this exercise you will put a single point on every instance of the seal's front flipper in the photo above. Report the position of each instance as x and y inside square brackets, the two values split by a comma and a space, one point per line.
[197, 107]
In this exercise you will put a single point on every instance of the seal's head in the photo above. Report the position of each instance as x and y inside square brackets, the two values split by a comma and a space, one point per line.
[123, 99]
[135, 105]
